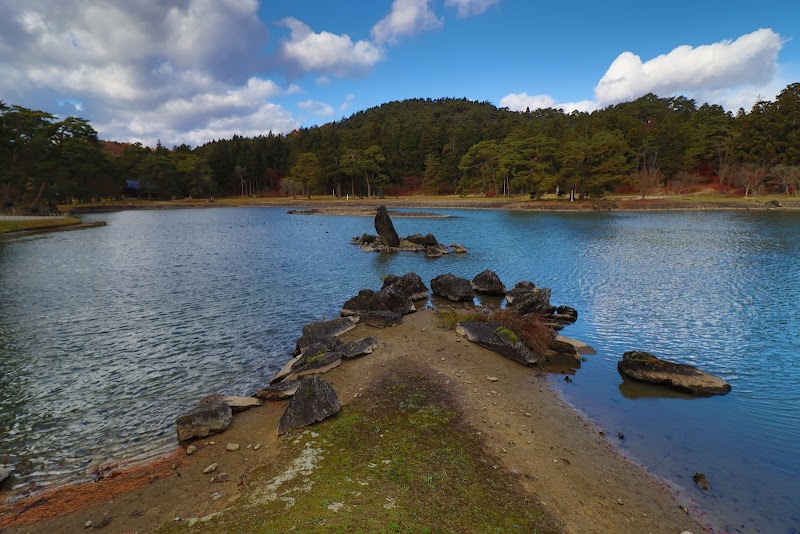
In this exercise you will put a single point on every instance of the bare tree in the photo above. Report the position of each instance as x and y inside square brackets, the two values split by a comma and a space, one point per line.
[649, 174]
[788, 177]
[751, 177]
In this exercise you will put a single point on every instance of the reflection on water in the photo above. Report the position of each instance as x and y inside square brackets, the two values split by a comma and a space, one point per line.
[106, 335]
[633, 389]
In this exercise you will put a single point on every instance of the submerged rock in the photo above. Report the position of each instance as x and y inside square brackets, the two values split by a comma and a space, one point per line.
[701, 480]
[488, 283]
[645, 367]
[458, 249]
[203, 421]
[452, 287]
[280, 391]
[495, 337]
[314, 401]
[385, 228]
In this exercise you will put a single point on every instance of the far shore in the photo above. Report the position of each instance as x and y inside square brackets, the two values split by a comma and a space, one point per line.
[327, 205]
[545, 449]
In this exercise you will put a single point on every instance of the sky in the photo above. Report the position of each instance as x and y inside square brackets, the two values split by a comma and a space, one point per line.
[191, 71]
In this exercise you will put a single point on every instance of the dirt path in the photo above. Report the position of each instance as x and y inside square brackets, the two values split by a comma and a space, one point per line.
[559, 457]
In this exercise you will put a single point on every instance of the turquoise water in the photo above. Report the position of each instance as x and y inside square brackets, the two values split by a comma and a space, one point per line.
[107, 334]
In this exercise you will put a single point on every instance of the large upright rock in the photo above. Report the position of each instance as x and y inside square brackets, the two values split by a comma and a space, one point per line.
[488, 283]
[314, 401]
[452, 287]
[645, 367]
[385, 228]
[203, 421]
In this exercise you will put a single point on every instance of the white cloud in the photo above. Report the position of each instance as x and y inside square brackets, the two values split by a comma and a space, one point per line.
[469, 8]
[178, 70]
[327, 52]
[750, 60]
[523, 101]
[406, 17]
[315, 107]
[347, 101]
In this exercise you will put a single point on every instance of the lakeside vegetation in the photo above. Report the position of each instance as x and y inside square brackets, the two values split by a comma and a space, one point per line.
[651, 146]
[37, 224]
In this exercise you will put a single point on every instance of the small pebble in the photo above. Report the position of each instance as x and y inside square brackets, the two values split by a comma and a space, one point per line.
[256, 447]
[491, 378]
[88, 524]
[191, 449]
[210, 469]
[232, 447]
[619, 501]
[174, 466]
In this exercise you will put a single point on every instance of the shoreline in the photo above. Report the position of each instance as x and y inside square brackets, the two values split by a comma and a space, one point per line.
[554, 451]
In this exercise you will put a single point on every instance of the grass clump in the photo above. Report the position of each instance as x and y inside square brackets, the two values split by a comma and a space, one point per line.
[398, 459]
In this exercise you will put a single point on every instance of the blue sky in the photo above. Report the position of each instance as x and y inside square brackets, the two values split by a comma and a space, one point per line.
[195, 70]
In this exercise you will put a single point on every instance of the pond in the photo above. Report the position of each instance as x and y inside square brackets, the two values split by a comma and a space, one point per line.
[107, 334]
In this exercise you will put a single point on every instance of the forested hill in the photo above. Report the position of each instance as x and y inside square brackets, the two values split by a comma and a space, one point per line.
[435, 146]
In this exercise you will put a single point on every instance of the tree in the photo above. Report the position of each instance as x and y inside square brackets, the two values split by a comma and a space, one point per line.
[306, 172]
[751, 177]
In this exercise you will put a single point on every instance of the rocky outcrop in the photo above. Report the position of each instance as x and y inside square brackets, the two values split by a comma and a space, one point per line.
[645, 367]
[488, 283]
[527, 298]
[280, 391]
[495, 337]
[452, 287]
[410, 285]
[427, 240]
[314, 401]
[385, 228]
[203, 421]
[358, 348]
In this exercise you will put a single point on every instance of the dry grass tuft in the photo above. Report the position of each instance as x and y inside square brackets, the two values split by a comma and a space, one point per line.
[529, 328]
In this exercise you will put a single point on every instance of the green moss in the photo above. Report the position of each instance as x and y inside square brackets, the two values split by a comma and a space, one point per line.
[506, 334]
[398, 459]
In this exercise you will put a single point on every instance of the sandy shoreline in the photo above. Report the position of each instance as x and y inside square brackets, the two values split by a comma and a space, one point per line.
[557, 455]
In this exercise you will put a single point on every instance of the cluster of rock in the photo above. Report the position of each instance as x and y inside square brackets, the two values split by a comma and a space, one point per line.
[387, 240]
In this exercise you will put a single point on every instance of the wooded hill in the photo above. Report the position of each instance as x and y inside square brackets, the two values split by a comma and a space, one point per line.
[432, 146]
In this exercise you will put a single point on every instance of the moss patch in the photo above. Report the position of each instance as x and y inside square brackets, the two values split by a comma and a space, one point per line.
[506, 335]
[398, 459]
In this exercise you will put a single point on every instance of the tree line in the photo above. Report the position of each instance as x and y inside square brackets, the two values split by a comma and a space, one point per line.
[441, 146]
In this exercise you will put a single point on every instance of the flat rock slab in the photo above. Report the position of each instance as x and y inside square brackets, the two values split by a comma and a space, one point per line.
[495, 337]
[203, 421]
[237, 404]
[358, 348]
[452, 287]
[280, 391]
[315, 365]
[314, 401]
[645, 367]
[381, 319]
[580, 346]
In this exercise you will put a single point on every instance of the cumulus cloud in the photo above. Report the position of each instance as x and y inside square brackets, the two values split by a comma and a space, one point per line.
[469, 8]
[177, 70]
[523, 101]
[347, 101]
[406, 17]
[750, 60]
[321, 109]
[326, 52]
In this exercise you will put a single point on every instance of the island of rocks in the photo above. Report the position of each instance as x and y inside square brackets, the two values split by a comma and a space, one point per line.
[388, 240]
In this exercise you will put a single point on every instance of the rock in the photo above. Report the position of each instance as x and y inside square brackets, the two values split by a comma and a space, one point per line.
[452, 287]
[305, 343]
[369, 238]
[280, 391]
[237, 404]
[4, 475]
[491, 378]
[645, 367]
[410, 285]
[203, 421]
[392, 299]
[385, 228]
[580, 346]
[314, 363]
[427, 240]
[562, 354]
[433, 252]
[359, 303]
[458, 249]
[489, 283]
[314, 401]
[232, 447]
[210, 469]
[381, 319]
[323, 331]
[284, 371]
[774, 204]
[88, 524]
[701, 480]
[358, 348]
[407, 246]
[526, 298]
[495, 337]
[564, 315]
[190, 450]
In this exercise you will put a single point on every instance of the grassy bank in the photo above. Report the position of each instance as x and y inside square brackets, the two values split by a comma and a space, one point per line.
[401, 461]
[38, 224]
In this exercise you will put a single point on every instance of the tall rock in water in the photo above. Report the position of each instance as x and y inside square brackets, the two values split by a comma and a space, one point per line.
[385, 228]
